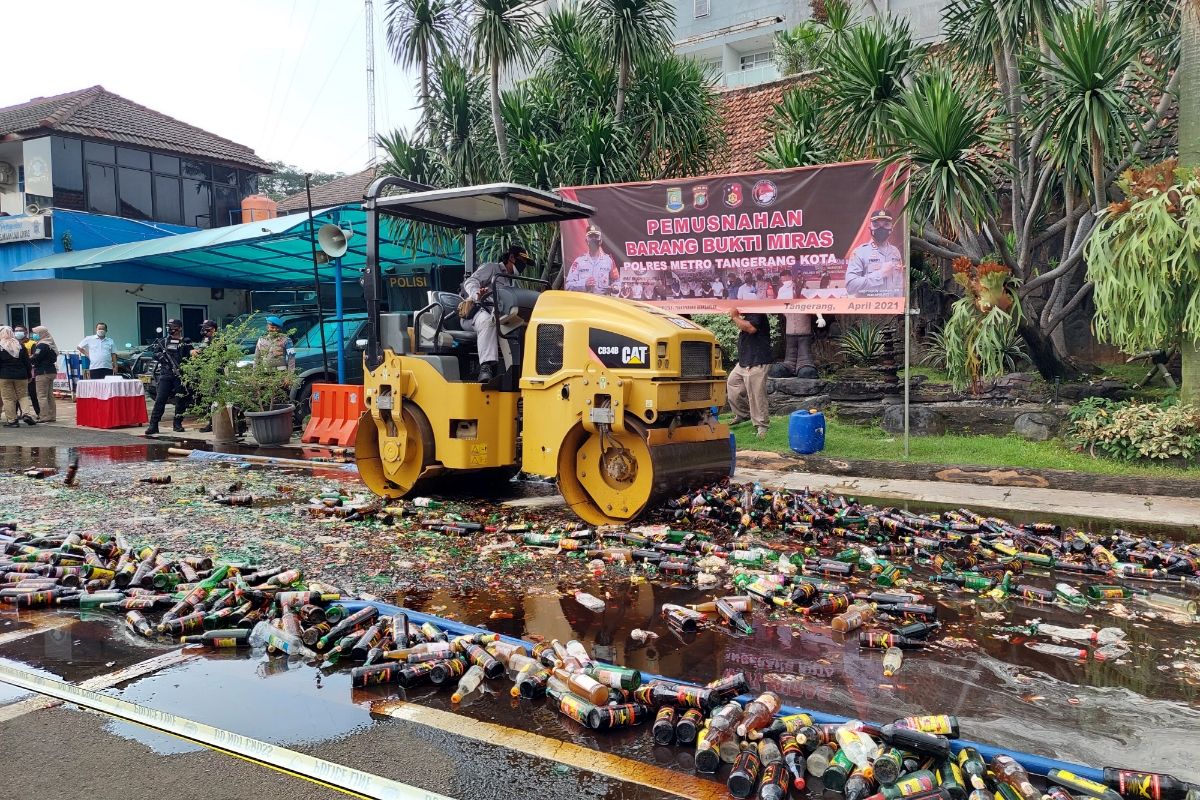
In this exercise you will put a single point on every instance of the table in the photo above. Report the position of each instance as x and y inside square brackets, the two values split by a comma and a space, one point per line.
[110, 404]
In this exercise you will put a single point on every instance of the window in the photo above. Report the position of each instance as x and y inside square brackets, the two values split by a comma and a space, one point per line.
[66, 164]
[199, 170]
[165, 165]
[249, 183]
[224, 175]
[312, 335]
[101, 189]
[700, 8]
[133, 158]
[135, 192]
[166, 200]
[756, 60]
[197, 203]
[100, 153]
[226, 209]
[28, 316]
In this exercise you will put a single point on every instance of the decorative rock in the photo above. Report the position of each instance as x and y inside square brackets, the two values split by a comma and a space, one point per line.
[922, 421]
[796, 387]
[1036, 427]
[781, 404]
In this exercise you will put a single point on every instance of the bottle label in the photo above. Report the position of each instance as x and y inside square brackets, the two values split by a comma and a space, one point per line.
[914, 784]
[576, 708]
[1075, 781]
[1139, 784]
[938, 724]
[619, 716]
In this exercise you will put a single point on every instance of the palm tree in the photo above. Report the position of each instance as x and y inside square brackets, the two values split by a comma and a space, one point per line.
[419, 32]
[501, 31]
[631, 28]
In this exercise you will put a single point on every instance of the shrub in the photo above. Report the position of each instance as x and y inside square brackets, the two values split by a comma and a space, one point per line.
[1129, 431]
[862, 343]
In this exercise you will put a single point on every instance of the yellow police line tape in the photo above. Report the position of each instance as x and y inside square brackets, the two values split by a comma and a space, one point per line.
[326, 773]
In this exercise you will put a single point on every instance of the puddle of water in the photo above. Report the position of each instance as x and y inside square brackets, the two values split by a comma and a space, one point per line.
[94, 644]
[10, 693]
[259, 698]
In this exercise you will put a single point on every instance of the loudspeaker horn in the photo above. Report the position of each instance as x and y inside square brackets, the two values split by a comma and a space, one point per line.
[333, 241]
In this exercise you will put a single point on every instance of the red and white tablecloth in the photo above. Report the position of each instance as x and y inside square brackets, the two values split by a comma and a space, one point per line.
[110, 404]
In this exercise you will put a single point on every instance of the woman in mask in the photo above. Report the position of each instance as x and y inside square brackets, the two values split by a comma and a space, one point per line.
[44, 357]
[14, 379]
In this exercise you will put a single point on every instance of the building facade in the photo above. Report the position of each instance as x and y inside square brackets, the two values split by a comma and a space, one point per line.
[736, 40]
[91, 168]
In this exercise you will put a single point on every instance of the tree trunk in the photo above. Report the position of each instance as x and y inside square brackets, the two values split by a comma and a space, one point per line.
[1045, 357]
[622, 87]
[1189, 156]
[425, 100]
[498, 121]
[1189, 387]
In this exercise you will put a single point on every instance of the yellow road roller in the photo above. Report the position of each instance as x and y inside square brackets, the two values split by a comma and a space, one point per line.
[615, 399]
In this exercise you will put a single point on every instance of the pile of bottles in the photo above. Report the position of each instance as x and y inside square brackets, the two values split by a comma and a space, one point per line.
[868, 571]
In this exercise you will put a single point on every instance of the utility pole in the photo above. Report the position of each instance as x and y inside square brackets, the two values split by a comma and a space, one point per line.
[370, 17]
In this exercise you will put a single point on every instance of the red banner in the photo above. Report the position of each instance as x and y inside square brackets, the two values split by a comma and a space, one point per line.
[824, 239]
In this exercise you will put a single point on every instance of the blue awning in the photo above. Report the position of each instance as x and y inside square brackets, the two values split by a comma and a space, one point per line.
[268, 254]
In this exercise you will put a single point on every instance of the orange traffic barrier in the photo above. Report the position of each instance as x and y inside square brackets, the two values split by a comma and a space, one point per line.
[335, 412]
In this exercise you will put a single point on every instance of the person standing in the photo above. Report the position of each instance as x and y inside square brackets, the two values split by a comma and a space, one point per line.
[14, 379]
[876, 268]
[44, 358]
[591, 271]
[747, 383]
[27, 342]
[479, 287]
[275, 348]
[208, 329]
[173, 348]
[98, 349]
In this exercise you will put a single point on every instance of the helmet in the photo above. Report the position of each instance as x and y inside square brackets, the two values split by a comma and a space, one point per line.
[208, 324]
[174, 323]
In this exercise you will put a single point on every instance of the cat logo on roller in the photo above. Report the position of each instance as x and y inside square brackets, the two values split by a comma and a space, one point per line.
[615, 350]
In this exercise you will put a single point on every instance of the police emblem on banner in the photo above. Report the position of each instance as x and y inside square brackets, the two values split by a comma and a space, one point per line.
[700, 196]
[765, 192]
[675, 199]
[732, 194]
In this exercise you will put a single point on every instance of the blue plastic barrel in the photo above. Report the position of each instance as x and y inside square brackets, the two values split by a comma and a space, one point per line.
[806, 431]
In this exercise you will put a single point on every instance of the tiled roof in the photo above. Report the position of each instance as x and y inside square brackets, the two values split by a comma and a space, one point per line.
[346, 189]
[97, 113]
[745, 110]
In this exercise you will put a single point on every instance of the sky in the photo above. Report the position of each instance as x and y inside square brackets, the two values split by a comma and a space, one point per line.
[284, 77]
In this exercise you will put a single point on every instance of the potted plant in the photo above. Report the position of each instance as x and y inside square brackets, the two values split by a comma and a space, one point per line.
[207, 378]
[263, 394]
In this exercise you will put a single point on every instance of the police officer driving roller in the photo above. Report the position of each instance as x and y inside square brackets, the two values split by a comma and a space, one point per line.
[479, 315]
[170, 351]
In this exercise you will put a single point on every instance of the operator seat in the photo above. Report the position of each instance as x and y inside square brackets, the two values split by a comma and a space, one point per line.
[451, 324]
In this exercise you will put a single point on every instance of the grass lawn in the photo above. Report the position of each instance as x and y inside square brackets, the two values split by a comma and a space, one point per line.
[844, 440]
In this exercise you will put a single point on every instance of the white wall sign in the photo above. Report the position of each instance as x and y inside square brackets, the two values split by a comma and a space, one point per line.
[23, 229]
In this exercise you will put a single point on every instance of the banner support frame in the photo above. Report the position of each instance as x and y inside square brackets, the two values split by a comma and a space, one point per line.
[907, 325]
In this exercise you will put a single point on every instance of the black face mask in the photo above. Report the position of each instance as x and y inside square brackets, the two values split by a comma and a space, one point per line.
[880, 235]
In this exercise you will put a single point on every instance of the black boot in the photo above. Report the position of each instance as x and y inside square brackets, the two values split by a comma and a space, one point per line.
[152, 429]
[489, 371]
[805, 366]
[177, 425]
[207, 428]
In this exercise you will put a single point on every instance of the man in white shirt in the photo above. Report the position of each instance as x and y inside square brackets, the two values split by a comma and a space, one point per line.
[876, 268]
[98, 348]
[718, 288]
[590, 271]
[746, 290]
